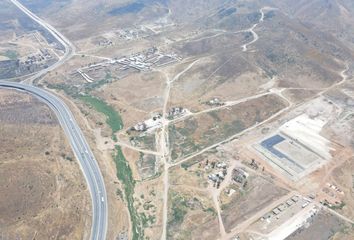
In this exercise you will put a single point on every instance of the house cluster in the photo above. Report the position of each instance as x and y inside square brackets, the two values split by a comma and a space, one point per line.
[215, 102]
[218, 177]
[176, 112]
[335, 188]
[149, 124]
[136, 61]
[141, 61]
[43, 55]
[333, 197]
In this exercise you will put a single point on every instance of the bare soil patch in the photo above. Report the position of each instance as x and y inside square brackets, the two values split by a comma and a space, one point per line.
[258, 193]
[43, 193]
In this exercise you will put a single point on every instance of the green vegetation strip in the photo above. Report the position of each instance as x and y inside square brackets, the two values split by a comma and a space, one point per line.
[114, 120]
[124, 172]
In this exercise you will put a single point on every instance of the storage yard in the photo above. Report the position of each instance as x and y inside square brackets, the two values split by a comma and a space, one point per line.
[297, 149]
[280, 222]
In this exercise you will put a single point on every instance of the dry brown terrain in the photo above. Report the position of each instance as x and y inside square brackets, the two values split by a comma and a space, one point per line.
[43, 193]
[191, 215]
[258, 194]
[324, 226]
[136, 96]
[204, 130]
[295, 51]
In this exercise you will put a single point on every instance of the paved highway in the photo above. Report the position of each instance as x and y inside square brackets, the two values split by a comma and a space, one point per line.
[77, 141]
[82, 152]
[69, 47]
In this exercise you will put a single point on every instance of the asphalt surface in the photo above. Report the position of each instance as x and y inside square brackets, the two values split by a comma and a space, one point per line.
[77, 141]
[68, 46]
[82, 152]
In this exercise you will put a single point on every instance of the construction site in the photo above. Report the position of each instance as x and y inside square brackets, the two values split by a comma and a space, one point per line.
[297, 148]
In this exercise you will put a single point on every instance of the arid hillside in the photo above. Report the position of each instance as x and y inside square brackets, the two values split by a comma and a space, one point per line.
[43, 193]
[209, 119]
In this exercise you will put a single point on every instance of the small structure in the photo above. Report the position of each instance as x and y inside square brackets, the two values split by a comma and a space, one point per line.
[213, 177]
[140, 127]
[289, 202]
[312, 196]
[239, 175]
[221, 175]
[148, 124]
[282, 207]
[215, 102]
[221, 165]
[305, 204]
[267, 216]
[218, 177]
[176, 111]
[254, 164]
[276, 211]
[295, 198]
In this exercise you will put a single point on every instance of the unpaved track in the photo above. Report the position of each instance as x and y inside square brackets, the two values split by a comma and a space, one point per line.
[251, 30]
[164, 147]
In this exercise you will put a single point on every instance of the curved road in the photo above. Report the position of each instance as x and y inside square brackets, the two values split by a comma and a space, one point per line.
[77, 141]
[69, 47]
[82, 152]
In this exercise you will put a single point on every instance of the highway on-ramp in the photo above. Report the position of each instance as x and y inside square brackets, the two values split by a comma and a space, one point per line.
[82, 152]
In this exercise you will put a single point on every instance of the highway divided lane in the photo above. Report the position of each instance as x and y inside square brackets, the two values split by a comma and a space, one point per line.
[69, 47]
[82, 153]
[77, 140]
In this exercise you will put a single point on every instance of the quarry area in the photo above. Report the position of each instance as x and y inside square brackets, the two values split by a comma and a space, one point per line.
[234, 123]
